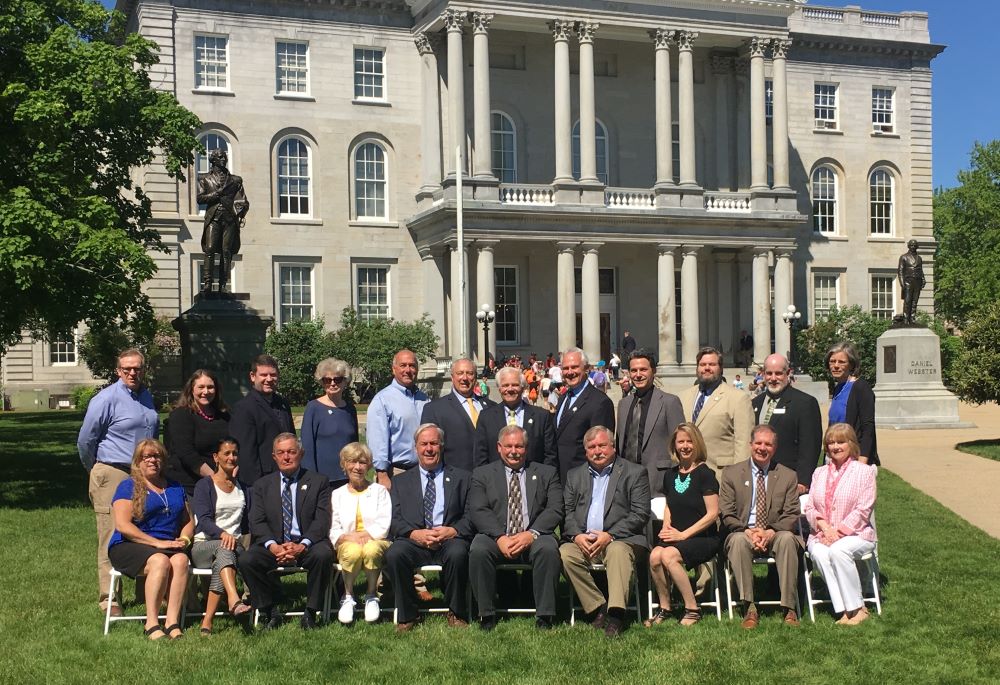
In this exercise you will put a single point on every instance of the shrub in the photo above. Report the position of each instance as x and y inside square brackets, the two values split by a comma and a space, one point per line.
[99, 348]
[82, 394]
[977, 369]
[298, 346]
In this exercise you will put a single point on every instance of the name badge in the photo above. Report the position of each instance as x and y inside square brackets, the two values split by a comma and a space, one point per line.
[779, 411]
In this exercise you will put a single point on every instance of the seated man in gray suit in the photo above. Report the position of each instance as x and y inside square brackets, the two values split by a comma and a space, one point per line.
[607, 508]
[515, 508]
[759, 506]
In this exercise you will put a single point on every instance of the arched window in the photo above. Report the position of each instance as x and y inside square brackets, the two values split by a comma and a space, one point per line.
[369, 181]
[293, 178]
[880, 187]
[503, 147]
[601, 142]
[212, 142]
[824, 200]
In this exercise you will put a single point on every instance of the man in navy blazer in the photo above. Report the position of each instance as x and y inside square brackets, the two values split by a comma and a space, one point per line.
[457, 414]
[257, 419]
[582, 407]
[513, 410]
[279, 537]
[429, 526]
[515, 508]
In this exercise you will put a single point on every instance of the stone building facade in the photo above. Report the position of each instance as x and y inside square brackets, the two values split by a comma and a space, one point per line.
[684, 170]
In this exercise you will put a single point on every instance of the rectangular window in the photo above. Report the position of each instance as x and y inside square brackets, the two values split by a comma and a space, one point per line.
[882, 110]
[62, 352]
[295, 293]
[292, 67]
[675, 150]
[211, 62]
[373, 292]
[825, 105]
[883, 297]
[605, 280]
[825, 294]
[505, 292]
[768, 100]
[369, 74]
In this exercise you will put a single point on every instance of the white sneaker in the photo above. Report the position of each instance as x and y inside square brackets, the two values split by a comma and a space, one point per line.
[346, 613]
[372, 609]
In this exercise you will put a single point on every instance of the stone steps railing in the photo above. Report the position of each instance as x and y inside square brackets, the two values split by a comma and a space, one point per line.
[526, 194]
[632, 198]
[726, 202]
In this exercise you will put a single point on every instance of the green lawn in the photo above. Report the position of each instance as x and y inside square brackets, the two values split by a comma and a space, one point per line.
[941, 621]
[983, 448]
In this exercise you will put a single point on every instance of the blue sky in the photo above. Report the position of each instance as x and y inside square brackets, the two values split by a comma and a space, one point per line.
[966, 97]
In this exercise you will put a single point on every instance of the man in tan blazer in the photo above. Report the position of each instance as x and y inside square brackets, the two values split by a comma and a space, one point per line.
[742, 507]
[722, 413]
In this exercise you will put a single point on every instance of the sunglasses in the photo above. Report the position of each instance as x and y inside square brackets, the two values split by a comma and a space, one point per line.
[339, 380]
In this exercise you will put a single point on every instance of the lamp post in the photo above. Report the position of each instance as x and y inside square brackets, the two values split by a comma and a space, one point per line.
[486, 316]
[791, 317]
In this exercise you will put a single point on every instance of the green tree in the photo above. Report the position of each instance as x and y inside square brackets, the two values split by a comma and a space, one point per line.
[299, 346]
[967, 230]
[851, 324]
[78, 115]
[159, 342]
[977, 371]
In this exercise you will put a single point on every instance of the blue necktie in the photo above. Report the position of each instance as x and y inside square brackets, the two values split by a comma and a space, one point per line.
[430, 498]
[697, 407]
[286, 508]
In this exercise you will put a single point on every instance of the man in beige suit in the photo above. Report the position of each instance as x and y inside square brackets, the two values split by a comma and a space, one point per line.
[722, 413]
[759, 506]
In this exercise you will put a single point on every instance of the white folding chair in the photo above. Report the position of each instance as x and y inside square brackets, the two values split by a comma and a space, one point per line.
[517, 568]
[596, 567]
[435, 568]
[116, 575]
[327, 594]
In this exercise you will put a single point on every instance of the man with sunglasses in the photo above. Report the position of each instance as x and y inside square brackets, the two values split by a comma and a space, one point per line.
[118, 418]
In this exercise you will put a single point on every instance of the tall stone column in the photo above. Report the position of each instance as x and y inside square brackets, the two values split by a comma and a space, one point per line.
[782, 298]
[666, 321]
[590, 299]
[663, 40]
[725, 263]
[430, 141]
[561, 30]
[482, 163]
[565, 295]
[742, 69]
[455, 20]
[588, 115]
[758, 120]
[722, 69]
[434, 295]
[761, 306]
[779, 124]
[690, 325]
[685, 97]
[485, 293]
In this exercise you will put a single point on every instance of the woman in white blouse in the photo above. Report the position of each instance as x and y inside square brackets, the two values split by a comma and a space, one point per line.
[360, 515]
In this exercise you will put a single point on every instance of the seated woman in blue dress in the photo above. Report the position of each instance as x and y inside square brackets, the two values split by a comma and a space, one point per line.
[689, 535]
[330, 422]
[220, 507]
[153, 529]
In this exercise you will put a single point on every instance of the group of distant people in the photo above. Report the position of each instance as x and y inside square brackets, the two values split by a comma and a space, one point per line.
[469, 483]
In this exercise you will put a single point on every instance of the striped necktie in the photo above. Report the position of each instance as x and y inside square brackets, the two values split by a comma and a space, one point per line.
[430, 499]
[286, 508]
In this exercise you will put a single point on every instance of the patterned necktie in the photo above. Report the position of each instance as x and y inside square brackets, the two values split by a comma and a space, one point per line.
[769, 406]
[515, 521]
[697, 407]
[634, 432]
[430, 498]
[760, 503]
[473, 412]
[511, 417]
[286, 508]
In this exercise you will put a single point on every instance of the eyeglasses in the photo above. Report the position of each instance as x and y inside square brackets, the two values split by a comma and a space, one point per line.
[339, 380]
[151, 457]
[128, 370]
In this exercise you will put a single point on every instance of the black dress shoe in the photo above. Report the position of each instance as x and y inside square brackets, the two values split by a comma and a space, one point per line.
[274, 619]
[613, 627]
[308, 620]
[600, 618]
[543, 622]
[488, 623]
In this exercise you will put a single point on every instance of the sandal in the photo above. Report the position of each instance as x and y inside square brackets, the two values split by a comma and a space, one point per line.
[150, 632]
[656, 619]
[170, 629]
[205, 632]
[690, 617]
[240, 608]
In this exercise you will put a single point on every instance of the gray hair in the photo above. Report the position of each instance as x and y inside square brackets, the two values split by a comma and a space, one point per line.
[511, 430]
[281, 437]
[427, 426]
[506, 371]
[848, 348]
[594, 430]
[576, 350]
[330, 367]
[451, 369]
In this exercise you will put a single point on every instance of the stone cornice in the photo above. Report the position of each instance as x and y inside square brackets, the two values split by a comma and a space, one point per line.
[862, 45]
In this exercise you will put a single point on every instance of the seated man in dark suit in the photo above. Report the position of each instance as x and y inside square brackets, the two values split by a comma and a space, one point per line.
[429, 526]
[513, 410]
[289, 526]
[515, 508]
[607, 508]
[581, 407]
[457, 414]
[759, 507]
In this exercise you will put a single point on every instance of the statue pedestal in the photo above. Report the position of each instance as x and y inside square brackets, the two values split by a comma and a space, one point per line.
[220, 332]
[909, 392]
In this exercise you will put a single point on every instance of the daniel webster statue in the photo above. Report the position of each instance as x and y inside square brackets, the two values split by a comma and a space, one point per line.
[911, 278]
[227, 205]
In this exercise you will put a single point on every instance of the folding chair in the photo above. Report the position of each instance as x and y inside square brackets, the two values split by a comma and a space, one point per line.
[327, 594]
[116, 575]
[515, 610]
[435, 568]
[600, 568]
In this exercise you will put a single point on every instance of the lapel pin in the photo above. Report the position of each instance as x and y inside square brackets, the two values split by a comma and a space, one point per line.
[746, 483]
[329, 411]
[303, 488]
[447, 479]
[574, 408]
[531, 420]
[534, 478]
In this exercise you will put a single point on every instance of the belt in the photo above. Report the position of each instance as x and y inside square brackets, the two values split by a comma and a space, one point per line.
[124, 468]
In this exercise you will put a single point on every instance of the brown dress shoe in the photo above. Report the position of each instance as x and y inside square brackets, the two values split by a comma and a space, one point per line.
[791, 618]
[405, 627]
[751, 620]
[455, 622]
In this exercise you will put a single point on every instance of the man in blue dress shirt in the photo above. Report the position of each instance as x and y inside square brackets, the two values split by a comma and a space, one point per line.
[393, 418]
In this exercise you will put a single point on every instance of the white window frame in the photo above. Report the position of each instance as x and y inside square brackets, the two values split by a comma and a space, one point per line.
[279, 301]
[601, 147]
[826, 106]
[198, 264]
[362, 184]
[202, 165]
[500, 135]
[516, 306]
[768, 100]
[883, 110]
[675, 151]
[202, 64]
[65, 348]
[379, 81]
[296, 179]
[882, 312]
[356, 290]
[832, 216]
[818, 311]
[283, 74]
[881, 204]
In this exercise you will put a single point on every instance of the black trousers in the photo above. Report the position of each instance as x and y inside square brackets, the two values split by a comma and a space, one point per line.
[257, 567]
[543, 555]
[403, 558]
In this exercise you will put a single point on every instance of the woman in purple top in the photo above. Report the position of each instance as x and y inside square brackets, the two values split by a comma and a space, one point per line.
[330, 422]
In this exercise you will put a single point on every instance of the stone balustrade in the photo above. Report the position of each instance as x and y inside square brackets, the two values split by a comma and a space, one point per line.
[727, 202]
[526, 194]
[631, 198]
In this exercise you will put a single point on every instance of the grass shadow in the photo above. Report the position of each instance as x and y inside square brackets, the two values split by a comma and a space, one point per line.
[989, 448]
[41, 467]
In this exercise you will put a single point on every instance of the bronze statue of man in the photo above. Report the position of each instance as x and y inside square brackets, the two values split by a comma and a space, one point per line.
[227, 205]
[911, 277]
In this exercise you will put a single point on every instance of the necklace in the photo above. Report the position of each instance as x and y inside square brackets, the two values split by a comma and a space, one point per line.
[203, 415]
[163, 498]
[681, 486]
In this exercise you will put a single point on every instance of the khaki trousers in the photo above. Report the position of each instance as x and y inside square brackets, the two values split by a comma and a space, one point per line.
[619, 560]
[785, 550]
[104, 481]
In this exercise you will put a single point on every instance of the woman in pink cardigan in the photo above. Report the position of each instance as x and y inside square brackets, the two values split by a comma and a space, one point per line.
[839, 510]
